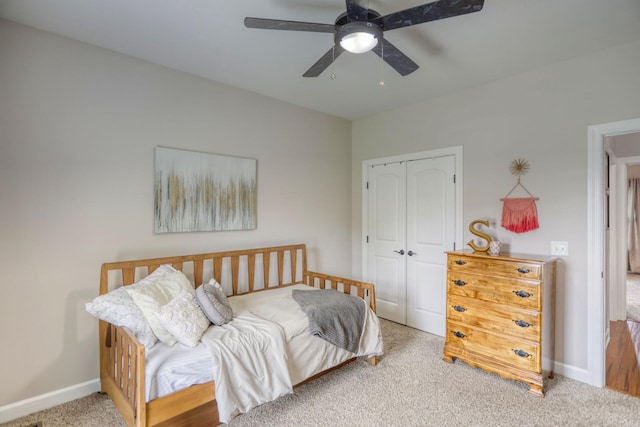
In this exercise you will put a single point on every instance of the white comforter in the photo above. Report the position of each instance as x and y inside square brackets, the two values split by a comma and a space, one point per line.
[240, 388]
[249, 364]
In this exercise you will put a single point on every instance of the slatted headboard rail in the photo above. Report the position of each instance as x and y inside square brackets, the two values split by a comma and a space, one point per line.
[241, 264]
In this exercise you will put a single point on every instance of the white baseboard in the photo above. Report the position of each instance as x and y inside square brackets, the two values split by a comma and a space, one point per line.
[572, 372]
[47, 400]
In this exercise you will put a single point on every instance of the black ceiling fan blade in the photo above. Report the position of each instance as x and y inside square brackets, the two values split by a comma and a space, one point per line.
[277, 24]
[322, 63]
[355, 12]
[440, 9]
[396, 59]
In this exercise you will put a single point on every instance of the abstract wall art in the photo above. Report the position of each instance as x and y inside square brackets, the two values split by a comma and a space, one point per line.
[197, 191]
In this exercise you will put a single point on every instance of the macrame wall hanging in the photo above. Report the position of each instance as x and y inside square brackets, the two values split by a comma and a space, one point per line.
[519, 214]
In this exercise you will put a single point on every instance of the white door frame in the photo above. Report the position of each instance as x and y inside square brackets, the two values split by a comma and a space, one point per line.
[596, 297]
[450, 151]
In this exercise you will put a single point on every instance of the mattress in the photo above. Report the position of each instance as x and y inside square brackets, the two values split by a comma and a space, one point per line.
[169, 369]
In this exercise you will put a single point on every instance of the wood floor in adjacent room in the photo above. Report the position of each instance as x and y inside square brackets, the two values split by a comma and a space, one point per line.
[623, 358]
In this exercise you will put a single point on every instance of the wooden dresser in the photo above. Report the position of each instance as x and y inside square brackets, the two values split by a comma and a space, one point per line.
[500, 315]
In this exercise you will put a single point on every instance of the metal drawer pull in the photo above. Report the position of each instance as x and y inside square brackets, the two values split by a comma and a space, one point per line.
[458, 334]
[523, 270]
[460, 262]
[459, 282]
[521, 353]
[522, 294]
[522, 323]
[459, 308]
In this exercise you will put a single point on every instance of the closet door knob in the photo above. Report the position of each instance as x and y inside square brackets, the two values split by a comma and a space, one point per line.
[411, 253]
[401, 252]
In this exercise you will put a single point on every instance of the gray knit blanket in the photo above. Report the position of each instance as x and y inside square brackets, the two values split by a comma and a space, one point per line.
[334, 316]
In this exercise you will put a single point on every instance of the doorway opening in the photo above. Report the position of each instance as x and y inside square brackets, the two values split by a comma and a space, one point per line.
[623, 233]
[598, 322]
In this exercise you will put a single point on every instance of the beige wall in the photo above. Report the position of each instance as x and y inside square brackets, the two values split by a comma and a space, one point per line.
[541, 116]
[78, 127]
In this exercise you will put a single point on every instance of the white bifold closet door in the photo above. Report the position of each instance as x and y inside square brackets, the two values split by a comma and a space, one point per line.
[411, 223]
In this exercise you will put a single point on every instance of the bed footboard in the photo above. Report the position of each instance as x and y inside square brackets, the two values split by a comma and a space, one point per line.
[122, 366]
[364, 290]
[122, 378]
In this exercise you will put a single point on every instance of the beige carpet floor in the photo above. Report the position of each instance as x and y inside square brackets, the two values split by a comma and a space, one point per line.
[633, 297]
[411, 386]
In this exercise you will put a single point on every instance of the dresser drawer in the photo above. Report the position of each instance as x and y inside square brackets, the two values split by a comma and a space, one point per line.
[519, 353]
[495, 267]
[520, 293]
[500, 319]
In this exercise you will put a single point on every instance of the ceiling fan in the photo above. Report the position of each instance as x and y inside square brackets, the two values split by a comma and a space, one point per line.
[360, 30]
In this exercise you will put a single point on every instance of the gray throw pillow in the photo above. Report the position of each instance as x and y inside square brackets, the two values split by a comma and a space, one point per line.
[214, 303]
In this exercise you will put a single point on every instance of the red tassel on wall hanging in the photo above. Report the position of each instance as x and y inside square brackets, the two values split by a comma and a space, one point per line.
[520, 214]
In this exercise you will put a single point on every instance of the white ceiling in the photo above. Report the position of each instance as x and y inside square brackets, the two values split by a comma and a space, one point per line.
[208, 38]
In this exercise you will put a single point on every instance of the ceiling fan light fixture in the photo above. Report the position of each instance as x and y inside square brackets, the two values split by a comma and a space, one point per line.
[358, 37]
[358, 42]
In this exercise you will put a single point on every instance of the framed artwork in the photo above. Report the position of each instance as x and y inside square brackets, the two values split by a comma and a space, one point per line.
[203, 192]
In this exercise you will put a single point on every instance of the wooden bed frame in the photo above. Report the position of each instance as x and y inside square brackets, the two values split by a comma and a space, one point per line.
[122, 357]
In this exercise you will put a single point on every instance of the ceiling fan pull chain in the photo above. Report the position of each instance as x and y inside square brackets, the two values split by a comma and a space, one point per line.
[381, 62]
[333, 59]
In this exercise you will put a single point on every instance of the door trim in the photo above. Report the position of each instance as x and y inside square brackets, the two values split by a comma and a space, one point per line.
[596, 298]
[457, 152]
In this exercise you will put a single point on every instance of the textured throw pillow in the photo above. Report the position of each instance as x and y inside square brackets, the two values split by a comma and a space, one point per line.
[117, 308]
[184, 319]
[151, 296]
[214, 303]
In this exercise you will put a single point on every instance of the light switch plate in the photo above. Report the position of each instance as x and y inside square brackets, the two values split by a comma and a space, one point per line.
[560, 248]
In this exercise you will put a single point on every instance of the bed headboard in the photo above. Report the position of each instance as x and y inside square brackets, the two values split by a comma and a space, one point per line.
[239, 272]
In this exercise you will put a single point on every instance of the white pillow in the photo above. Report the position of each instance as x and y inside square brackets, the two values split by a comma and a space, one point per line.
[117, 308]
[184, 319]
[214, 303]
[151, 296]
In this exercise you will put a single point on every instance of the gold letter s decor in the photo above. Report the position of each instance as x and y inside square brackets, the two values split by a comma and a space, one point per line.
[479, 234]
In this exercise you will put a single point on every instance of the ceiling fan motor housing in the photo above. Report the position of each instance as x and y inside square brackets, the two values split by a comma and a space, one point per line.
[358, 27]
